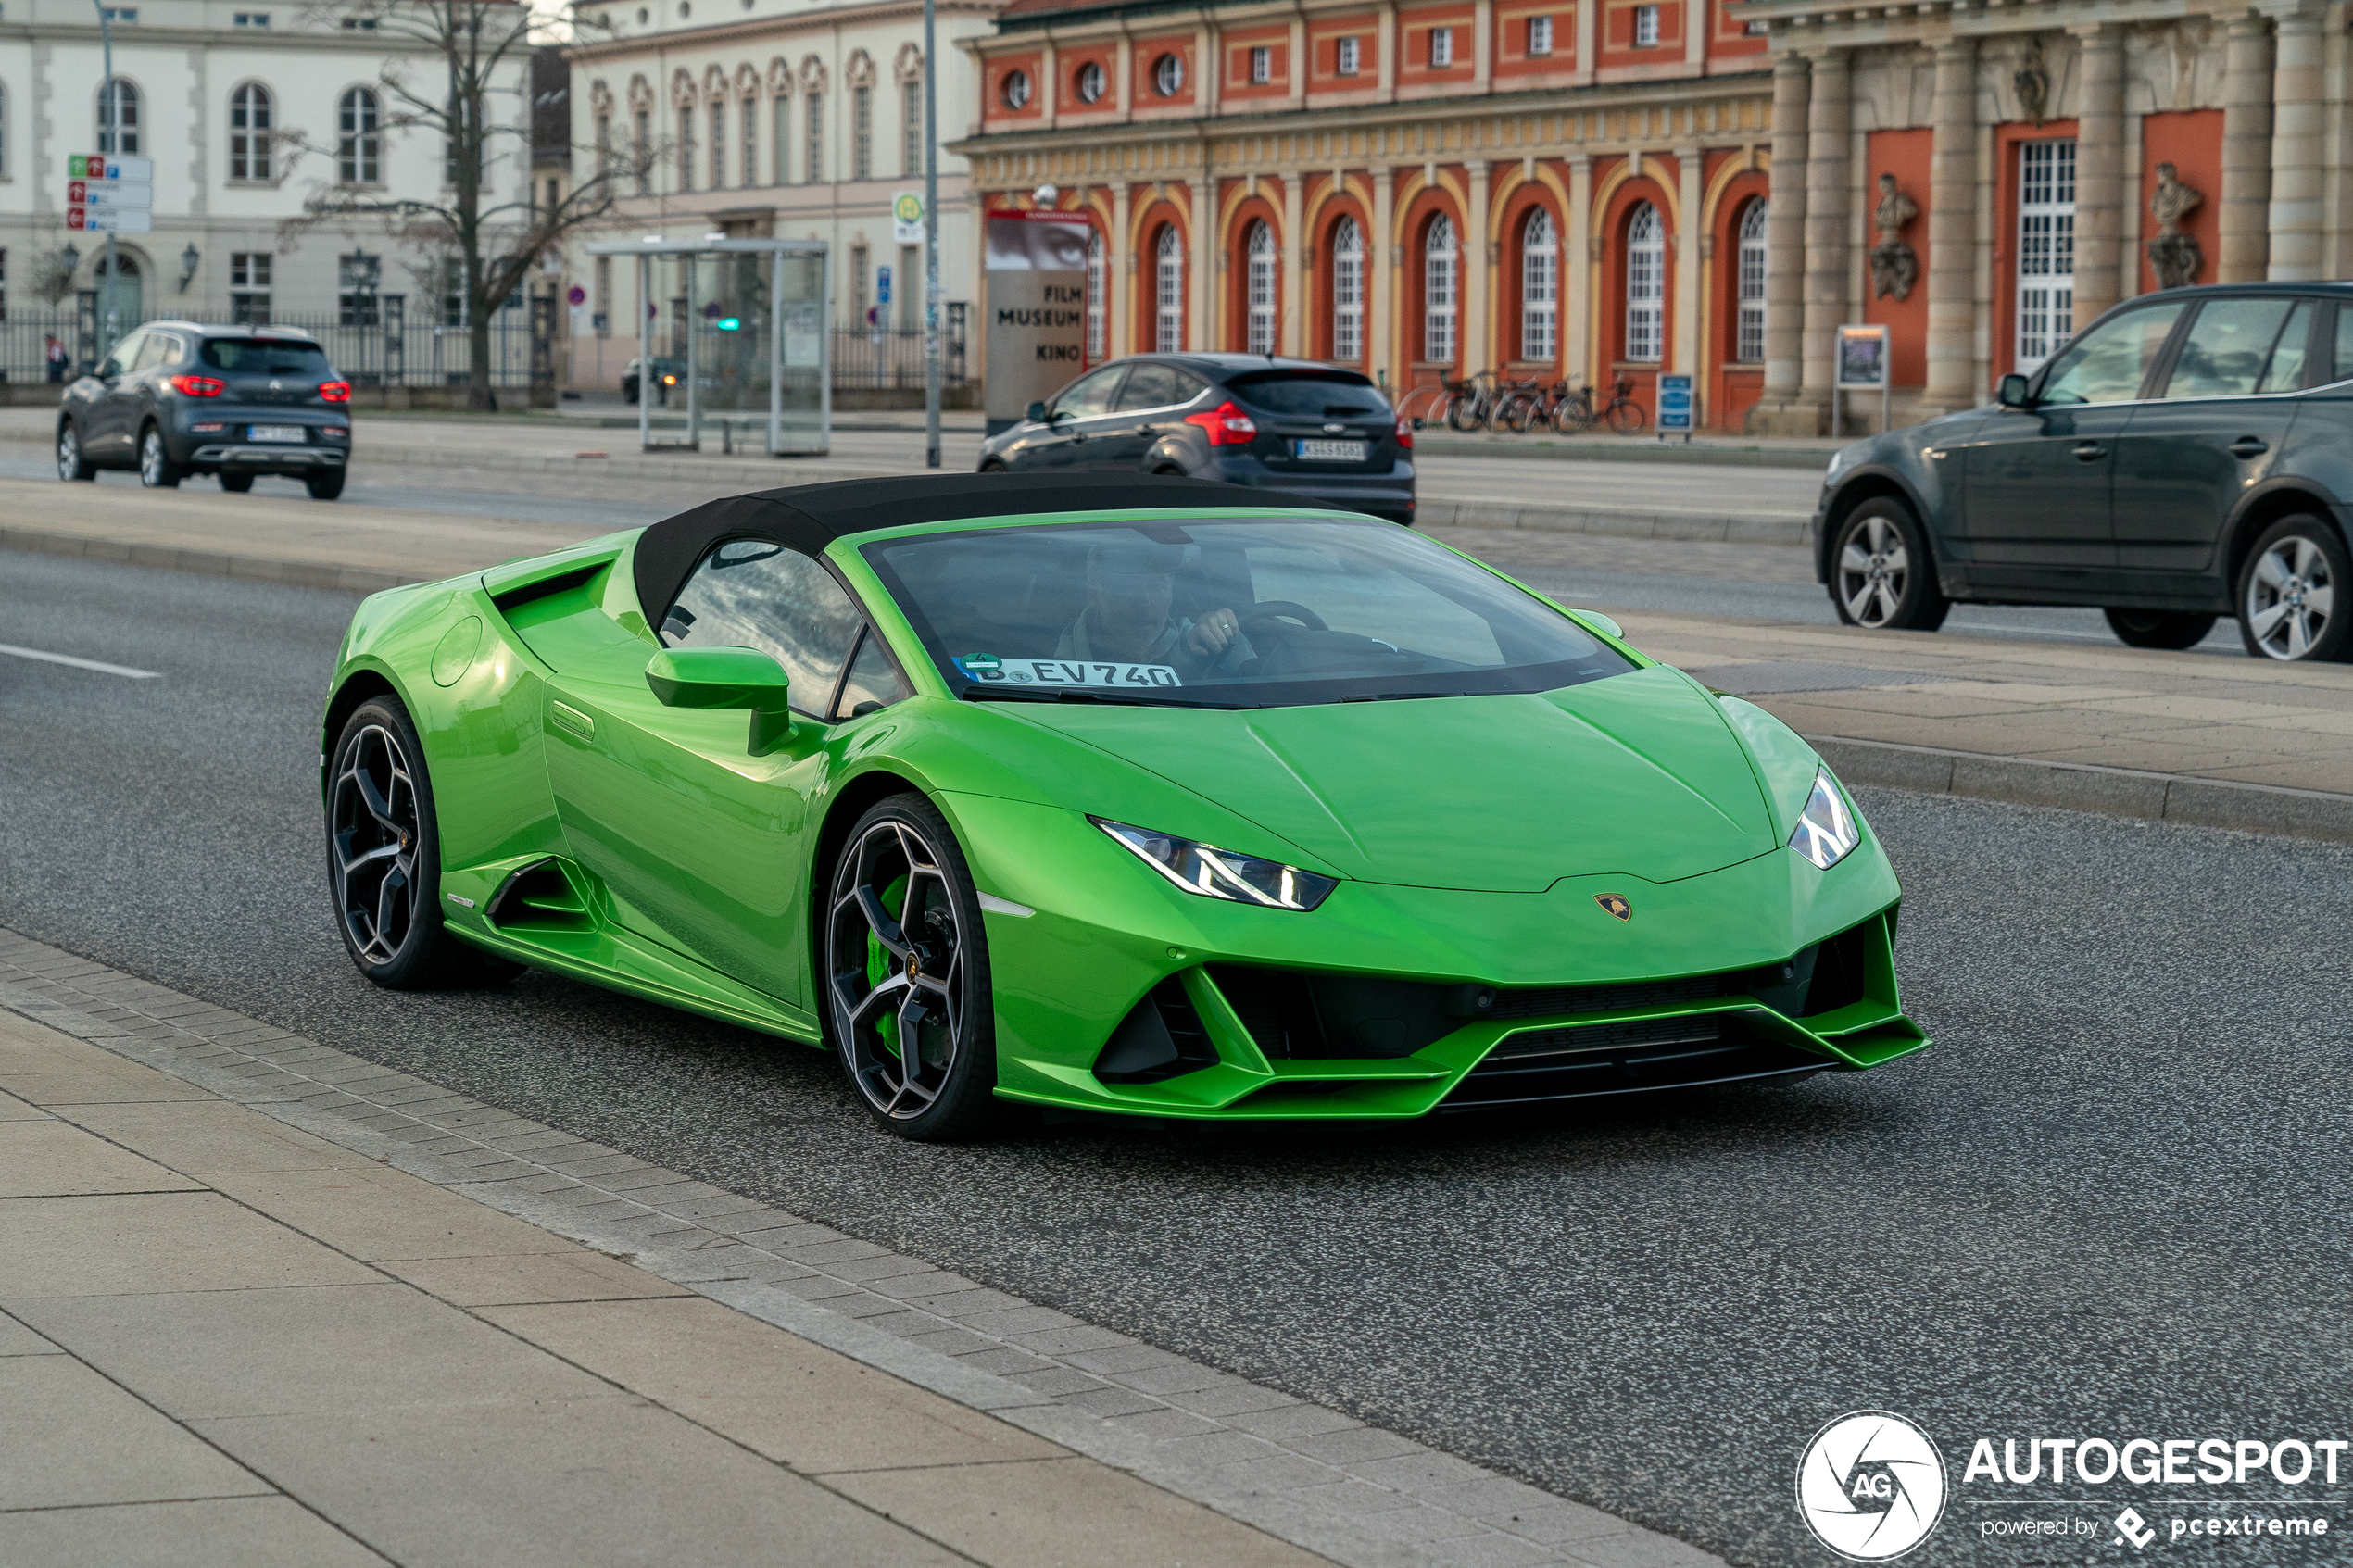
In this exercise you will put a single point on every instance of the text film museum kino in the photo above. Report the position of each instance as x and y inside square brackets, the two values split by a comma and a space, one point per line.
[1585, 188]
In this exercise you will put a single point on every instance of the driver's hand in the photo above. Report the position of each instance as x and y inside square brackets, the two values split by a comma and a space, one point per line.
[1213, 631]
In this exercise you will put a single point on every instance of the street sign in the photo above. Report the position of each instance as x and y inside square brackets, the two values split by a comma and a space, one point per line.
[92, 166]
[576, 296]
[108, 192]
[110, 219]
[882, 286]
[1674, 403]
[907, 218]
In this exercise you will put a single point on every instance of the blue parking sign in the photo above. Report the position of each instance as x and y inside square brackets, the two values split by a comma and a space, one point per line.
[1674, 403]
[882, 286]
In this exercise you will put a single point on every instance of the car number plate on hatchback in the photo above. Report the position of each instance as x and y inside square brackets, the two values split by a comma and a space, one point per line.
[277, 433]
[1331, 451]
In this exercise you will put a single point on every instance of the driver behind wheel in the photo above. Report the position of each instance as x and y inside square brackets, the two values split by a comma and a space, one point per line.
[1130, 586]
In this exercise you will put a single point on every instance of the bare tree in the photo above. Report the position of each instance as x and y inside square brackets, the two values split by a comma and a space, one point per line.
[488, 218]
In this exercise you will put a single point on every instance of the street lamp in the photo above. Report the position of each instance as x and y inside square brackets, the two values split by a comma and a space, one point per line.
[189, 261]
[70, 258]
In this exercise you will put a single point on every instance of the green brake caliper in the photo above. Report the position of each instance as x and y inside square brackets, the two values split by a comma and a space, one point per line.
[894, 899]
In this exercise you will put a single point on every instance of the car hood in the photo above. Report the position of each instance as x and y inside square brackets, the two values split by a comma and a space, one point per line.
[1638, 773]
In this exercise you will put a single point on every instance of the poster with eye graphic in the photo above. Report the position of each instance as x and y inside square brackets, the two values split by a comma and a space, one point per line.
[1037, 267]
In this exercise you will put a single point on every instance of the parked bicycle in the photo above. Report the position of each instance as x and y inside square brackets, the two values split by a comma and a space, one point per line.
[1575, 414]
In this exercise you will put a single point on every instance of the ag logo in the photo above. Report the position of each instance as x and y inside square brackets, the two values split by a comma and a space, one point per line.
[1870, 1485]
[1615, 904]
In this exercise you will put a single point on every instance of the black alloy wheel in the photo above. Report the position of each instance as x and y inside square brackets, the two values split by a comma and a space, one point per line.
[2174, 628]
[73, 463]
[1883, 576]
[908, 997]
[156, 470]
[2287, 593]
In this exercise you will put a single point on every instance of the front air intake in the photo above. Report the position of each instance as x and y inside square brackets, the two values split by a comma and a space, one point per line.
[1160, 1037]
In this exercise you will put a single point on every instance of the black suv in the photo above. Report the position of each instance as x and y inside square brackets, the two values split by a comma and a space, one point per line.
[1246, 419]
[175, 398]
[2188, 456]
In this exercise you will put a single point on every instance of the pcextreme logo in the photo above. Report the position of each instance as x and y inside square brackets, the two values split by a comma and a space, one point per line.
[1870, 1485]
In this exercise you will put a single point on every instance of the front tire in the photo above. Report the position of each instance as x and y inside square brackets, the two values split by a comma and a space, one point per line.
[236, 483]
[1628, 418]
[72, 462]
[2287, 593]
[324, 486]
[909, 1000]
[2174, 628]
[156, 470]
[1882, 575]
[383, 858]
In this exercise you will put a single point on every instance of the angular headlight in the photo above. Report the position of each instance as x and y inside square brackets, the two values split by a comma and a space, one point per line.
[1825, 830]
[1221, 873]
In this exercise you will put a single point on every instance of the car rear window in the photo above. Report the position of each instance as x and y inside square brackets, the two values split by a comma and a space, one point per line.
[263, 357]
[1309, 392]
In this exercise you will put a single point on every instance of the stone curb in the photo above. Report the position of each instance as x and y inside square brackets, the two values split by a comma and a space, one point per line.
[1580, 449]
[1322, 1480]
[210, 563]
[1787, 528]
[2125, 791]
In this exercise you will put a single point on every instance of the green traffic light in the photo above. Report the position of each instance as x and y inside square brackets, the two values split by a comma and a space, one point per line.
[730, 323]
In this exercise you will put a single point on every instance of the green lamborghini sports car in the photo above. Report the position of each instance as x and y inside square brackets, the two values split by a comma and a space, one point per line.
[1129, 795]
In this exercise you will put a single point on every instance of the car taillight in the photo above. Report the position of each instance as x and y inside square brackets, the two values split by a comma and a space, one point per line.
[197, 386]
[1227, 425]
[334, 391]
[1404, 433]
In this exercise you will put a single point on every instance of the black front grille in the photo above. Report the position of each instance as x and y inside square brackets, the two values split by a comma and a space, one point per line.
[1541, 1001]
[1617, 1059]
[1704, 1030]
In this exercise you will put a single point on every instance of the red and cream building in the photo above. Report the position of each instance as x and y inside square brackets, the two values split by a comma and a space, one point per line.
[1591, 188]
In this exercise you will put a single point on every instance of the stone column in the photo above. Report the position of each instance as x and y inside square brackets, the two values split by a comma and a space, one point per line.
[1482, 45]
[2295, 213]
[1202, 296]
[1291, 332]
[1786, 238]
[1296, 63]
[1577, 273]
[2246, 153]
[1952, 230]
[1588, 40]
[1380, 282]
[1119, 267]
[1477, 320]
[1690, 243]
[2100, 170]
[1830, 116]
[1386, 42]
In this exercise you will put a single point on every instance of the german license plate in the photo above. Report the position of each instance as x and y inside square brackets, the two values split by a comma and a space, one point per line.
[1331, 451]
[296, 434]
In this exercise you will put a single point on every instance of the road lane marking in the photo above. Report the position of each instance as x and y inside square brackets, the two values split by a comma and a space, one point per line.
[123, 671]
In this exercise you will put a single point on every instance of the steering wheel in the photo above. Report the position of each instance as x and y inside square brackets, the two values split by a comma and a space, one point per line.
[1283, 609]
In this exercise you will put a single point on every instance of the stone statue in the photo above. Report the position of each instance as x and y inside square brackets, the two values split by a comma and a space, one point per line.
[2173, 255]
[1895, 267]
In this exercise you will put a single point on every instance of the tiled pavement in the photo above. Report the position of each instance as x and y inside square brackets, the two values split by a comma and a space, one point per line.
[1301, 1472]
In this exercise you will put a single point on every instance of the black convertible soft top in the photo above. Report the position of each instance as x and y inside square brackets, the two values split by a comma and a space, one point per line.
[807, 518]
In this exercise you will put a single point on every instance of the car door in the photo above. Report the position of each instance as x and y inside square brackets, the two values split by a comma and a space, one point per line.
[143, 388]
[2214, 430]
[1077, 417]
[106, 435]
[1153, 398]
[2038, 481]
[700, 842]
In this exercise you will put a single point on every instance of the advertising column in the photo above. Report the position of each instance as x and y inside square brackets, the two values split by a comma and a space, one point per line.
[1036, 276]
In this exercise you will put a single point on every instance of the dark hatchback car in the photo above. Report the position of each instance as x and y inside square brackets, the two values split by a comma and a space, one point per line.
[2186, 457]
[1293, 425]
[175, 398]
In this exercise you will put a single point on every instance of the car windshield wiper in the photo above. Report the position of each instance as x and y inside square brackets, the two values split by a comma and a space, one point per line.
[1114, 699]
[1400, 696]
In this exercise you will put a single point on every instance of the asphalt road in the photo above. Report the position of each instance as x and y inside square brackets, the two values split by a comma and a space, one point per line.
[2108, 1202]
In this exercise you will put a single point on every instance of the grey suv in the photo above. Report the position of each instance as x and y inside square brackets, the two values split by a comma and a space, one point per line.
[175, 398]
[2186, 457]
[1293, 425]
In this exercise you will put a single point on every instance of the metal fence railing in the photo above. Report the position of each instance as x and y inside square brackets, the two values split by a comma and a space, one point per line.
[866, 357]
[375, 345]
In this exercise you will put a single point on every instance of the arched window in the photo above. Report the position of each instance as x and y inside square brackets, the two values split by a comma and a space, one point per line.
[117, 118]
[1347, 291]
[1540, 272]
[249, 132]
[1258, 253]
[1096, 321]
[1169, 293]
[813, 139]
[1437, 290]
[1749, 339]
[718, 146]
[359, 142]
[747, 120]
[686, 147]
[1645, 283]
[780, 109]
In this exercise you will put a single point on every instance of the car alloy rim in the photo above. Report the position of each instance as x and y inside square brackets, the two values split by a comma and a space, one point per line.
[68, 452]
[151, 457]
[898, 980]
[376, 833]
[1873, 570]
[2290, 597]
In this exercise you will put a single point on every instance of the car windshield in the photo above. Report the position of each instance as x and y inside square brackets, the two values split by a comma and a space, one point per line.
[1246, 613]
[263, 357]
[1331, 393]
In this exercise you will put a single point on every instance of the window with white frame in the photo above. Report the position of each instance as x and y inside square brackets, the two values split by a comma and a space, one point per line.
[641, 125]
[719, 146]
[1540, 273]
[748, 123]
[249, 132]
[249, 287]
[1437, 290]
[812, 140]
[1098, 318]
[1645, 283]
[1646, 26]
[862, 132]
[1442, 46]
[359, 138]
[2046, 250]
[1748, 338]
[1258, 260]
[117, 118]
[1347, 291]
[604, 143]
[910, 128]
[685, 148]
[1169, 293]
[1168, 75]
[1348, 55]
[252, 18]
[1262, 64]
[1090, 82]
[1540, 36]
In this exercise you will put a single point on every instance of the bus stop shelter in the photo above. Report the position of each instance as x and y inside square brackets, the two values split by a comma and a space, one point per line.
[745, 338]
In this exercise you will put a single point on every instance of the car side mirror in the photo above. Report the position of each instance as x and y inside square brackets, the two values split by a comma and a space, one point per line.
[726, 678]
[2011, 391]
[1601, 622]
[1035, 413]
